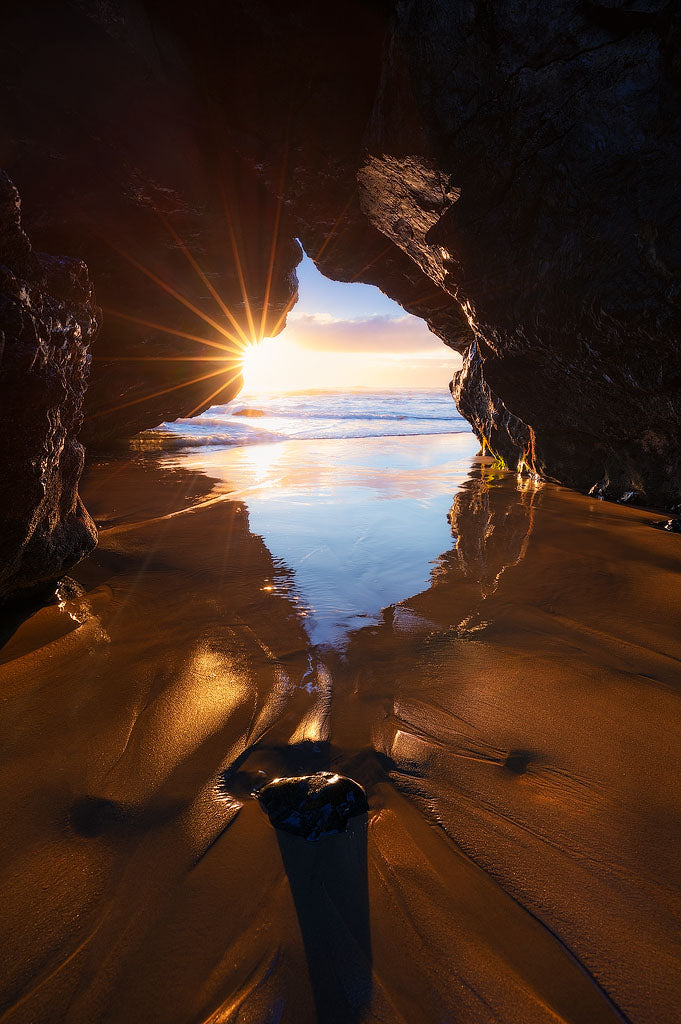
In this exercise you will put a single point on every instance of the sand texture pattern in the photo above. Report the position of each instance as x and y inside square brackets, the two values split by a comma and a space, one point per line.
[516, 727]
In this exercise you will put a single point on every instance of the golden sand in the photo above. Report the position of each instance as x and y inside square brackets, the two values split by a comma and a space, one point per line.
[516, 725]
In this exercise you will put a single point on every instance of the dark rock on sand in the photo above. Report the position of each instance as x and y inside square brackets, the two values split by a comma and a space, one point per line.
[670, 525]
[313, 806]
[48, 319]
[518, 761]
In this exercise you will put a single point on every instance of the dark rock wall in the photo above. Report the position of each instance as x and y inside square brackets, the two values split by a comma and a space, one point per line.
[549, 135]
[47, 321]
[506, 171]
[121, 161]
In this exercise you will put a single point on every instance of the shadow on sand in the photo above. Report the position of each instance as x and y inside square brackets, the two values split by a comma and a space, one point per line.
[329, 885]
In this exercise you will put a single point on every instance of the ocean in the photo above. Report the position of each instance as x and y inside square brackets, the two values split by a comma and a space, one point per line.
[349, 491]
[317, 415]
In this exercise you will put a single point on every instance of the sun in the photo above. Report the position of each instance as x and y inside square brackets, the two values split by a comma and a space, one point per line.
[254, 366]
[274, 364]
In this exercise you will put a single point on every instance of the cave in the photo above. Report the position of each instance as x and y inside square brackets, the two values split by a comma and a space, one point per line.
[235, 790]
[454, 156]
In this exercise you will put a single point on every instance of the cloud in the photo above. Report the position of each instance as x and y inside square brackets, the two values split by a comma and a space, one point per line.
[390, 335]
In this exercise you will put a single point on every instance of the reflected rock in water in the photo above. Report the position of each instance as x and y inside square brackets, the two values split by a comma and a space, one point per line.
[491, 524]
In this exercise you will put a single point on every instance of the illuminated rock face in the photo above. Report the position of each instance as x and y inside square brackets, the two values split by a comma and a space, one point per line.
[48, 319]
[508, 172]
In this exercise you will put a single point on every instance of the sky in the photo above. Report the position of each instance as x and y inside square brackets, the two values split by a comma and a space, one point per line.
[348, 335]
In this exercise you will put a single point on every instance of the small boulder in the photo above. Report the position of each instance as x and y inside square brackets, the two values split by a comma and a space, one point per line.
[313, 806]
[670, 525]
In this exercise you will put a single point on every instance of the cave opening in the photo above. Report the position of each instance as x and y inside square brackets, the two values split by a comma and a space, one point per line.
[346, 335]
[348, 356]
[343, 437]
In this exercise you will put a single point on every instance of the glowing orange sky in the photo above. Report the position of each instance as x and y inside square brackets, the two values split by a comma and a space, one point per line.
[348, 335]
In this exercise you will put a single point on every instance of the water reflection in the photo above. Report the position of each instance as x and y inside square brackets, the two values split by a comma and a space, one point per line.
[492, 519]
[358, 522]
[491, 525]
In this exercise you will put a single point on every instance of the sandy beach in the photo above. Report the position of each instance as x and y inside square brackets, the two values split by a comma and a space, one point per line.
[501, 671]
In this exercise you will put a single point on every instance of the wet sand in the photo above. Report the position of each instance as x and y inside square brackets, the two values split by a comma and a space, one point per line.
[514, 716]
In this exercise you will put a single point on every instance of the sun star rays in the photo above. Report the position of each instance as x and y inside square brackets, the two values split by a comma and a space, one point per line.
[170, 330]
[230, 334]
[166, 391]
[175, 293]
[232, 345]
[194, 264]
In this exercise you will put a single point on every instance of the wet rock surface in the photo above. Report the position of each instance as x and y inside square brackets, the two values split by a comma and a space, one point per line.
[669, 525]
[48, 319]
[313, 806]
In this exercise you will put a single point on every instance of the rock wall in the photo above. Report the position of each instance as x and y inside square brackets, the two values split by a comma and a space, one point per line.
[121, 161]
[47, 321]
[559, 125]
[506, 171]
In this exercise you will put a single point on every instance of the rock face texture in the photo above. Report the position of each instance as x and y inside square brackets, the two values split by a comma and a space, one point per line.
[521, 157]
[121, 161]
[550, 132]
[506, 171]
[313, 806]
[47, 321]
